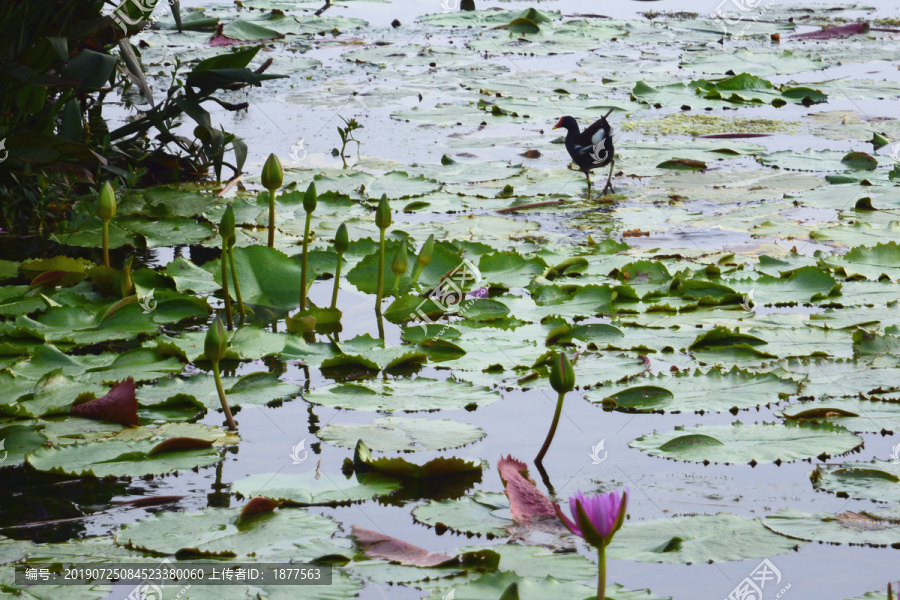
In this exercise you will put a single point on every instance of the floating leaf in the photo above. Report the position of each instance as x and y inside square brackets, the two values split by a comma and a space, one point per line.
[697, 539]
[756, 443]
[306, 490]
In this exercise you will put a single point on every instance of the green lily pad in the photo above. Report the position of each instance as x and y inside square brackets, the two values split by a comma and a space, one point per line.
[870, 529]
[403, 434]
[757, 443]
[697, 539]
[215, 532]
[407, 395]
[121, 458]
[307, 490]
[877, 480]
[715, 390]
[482, 513]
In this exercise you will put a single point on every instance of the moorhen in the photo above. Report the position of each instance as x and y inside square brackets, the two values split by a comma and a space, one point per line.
[590, 148]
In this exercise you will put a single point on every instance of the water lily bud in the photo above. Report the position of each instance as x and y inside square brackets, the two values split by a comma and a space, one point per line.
[399, 264]
[216, 342]
[341, 239]
[106, 203]
[562, 375]
[424, 258]
[226, 226]
[272, 173]
[383, 213]
[310, 199]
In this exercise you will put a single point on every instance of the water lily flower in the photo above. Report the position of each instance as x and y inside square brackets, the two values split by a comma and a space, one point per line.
[424, 258]
[382, 221]
[562, 380]
[310, 199]
[398, 266]
[214, 348]
[341, 243]
[272, 177]
[479, 293]
[106, 210]
[596, 520]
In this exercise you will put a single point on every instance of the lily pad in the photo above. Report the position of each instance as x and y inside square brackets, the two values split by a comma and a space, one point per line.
[698, 539]
[307, 489]
[870, 529]
[715, 390]
[407, 395]
[403, 434]
[755, 443]
[877, 480]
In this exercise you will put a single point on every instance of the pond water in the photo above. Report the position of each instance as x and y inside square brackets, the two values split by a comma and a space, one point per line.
[763, 196]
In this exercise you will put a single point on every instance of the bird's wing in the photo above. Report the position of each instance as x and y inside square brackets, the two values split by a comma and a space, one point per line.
[579, 149]
[596, 133]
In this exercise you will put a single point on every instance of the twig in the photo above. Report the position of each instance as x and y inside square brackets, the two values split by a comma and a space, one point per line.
[324, 8]
[229, 185]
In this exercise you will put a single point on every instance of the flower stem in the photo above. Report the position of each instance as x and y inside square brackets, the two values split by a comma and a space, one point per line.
[601, 573]
[229, 321]
[222, 398]
[380, 292]
[553, 425]
[417, 272]
[237, 286]
[304, 263]
[106, 244]
[271, 218]
[337, 282]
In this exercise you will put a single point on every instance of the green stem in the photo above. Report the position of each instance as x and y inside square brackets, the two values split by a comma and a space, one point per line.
[106, 244]
[416, 273]
[553, 425]
[237, 286]
[271, 218]
[601, 573]
[222, 399]
[228, 320]
[303, 266]
[380, 291]
[396, 282]
[337, 281]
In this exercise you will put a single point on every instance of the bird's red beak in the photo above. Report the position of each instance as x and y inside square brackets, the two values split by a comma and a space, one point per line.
[558, 124]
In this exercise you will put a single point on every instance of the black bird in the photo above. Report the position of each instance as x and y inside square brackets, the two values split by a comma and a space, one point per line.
[590, 148]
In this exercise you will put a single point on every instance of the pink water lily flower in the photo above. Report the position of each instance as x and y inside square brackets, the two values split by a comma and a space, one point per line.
[597, 519]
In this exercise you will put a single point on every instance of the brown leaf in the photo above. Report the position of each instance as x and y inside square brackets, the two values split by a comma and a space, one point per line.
[179, 443]
[526, 501]
[257, 505]
[833, 33]
[378, 545]
[119, 405]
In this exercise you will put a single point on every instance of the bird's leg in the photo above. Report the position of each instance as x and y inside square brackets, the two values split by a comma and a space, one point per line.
[588, 175]
[609, 186]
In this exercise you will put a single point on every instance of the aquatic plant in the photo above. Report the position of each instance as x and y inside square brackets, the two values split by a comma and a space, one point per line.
[382, 221]
[423, 259]
[562, 380]
[341, 242]
[106, 210]
[309, 205]
[346, 134]
[232, 239]
[272, 177]
[596, 520]
[398, 265]
[214, 348]
[226, 231]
